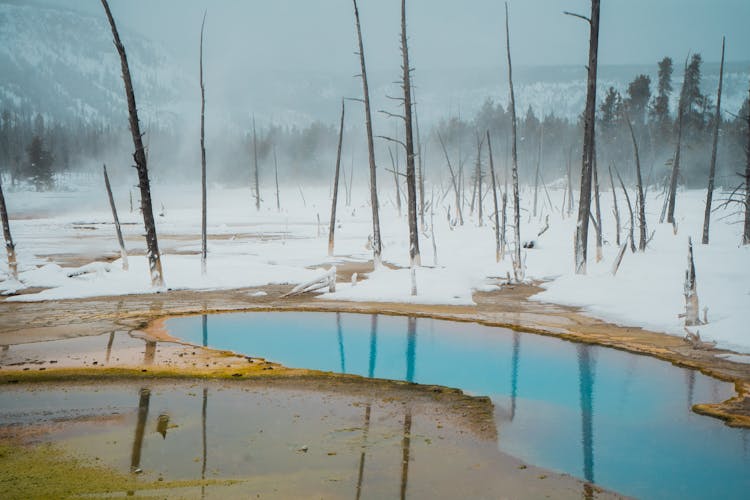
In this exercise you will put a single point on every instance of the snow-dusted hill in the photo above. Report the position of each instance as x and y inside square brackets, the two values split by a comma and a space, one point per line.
[63, 64]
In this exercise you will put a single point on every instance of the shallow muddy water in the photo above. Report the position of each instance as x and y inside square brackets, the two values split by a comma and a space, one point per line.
[619, 420]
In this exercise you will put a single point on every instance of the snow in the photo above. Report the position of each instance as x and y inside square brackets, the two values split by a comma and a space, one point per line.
[61, 238]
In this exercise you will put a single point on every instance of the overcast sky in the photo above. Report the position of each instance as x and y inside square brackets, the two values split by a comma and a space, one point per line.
[444, 34]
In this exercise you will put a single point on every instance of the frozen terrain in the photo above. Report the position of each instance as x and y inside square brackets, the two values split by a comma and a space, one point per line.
[65, 240]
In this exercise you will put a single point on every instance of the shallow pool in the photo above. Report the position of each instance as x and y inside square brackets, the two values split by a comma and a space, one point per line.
[616, 419]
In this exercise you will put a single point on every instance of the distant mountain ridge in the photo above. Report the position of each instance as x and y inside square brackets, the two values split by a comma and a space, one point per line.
[62, 63]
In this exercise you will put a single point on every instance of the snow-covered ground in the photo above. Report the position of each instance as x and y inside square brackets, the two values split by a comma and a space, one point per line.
[251, 248]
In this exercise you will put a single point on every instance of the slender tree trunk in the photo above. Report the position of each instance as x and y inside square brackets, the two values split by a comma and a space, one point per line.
[494, 199]
[276, 175]
[120, 240]
[420, 165]
[454, 181]
[479, 181]
[712, 168]
[411, 179]
[630, 210]
[517, 265]
[746, 232]
[676, 163]
[692, 310]
[639, 185]
[598, 209]
[376, 244]
[615, 208]
[396, 181]
[204, 228]
[584, 204]
[255, 167]
[152, 245]
[10, 248]
[332, 227]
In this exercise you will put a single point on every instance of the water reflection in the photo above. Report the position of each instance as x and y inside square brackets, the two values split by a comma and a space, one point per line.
[641, 431]
[140, 427]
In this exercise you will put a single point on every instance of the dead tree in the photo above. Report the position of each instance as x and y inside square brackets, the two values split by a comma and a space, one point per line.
[498, 248]
[630, 211]
[584, 204]
[517, 264]
[332, 227]
[411, 180]
[396, 180]
[692, 311]
[746, 232]
[255, 167]
[152, 245]
[712, 167]
[276, 175]
[420, 165]
[454, 181]
[672, 194]
[641, 201]
[597, 206]
[118, 230]
[615, 208]
[10, 248]
[376, 242]
[204, 242]
[479, 179]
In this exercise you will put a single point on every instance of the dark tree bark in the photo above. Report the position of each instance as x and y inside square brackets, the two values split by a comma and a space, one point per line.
[712, 167]
[630, 210]
[255, 167]
[517, 265]
[411, 179]
[152, 245]
[498, 251]
[584, 204]
[144, 401]
[615, 208]
[332, 227]
[204, 226]
[118, 230]
[376, 242]
[639, 186]
[672, 196]
[10, 248]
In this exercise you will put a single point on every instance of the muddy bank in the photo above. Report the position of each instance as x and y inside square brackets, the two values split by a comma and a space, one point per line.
[339, 439]
[139, 316]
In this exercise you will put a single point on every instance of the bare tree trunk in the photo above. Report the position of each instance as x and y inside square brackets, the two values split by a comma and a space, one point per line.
[10, 248]
[332, 227]
[479, 180]
[598, 211]
[204, 238]
[152, 245]
[276, 175]
[692, 311]
[396, 180]
[639, 185]
[255, 167]
[584, 205]
[517, 264]
[746, 232]
[120, 240]
[630, 210]
[456, 188]
[420, 165]
[615, 208]
[712, 168]
[411, 180]
[376, 244]
[676, 163]
[494, 199]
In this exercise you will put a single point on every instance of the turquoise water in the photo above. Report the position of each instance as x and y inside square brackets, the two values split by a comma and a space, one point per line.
[615, 419]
